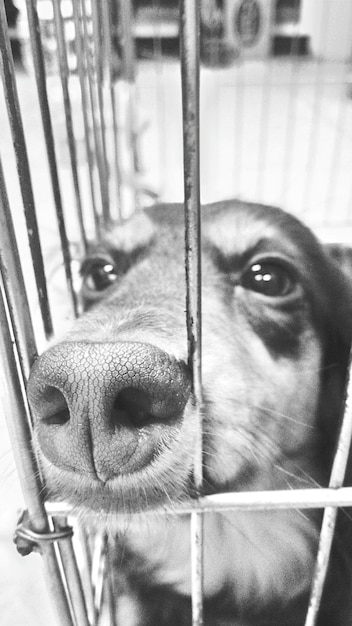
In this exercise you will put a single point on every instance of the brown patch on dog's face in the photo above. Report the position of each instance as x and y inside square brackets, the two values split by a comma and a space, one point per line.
[264, 354]
[266, 304]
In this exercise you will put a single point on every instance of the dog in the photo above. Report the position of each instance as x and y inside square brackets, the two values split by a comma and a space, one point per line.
[115, 423]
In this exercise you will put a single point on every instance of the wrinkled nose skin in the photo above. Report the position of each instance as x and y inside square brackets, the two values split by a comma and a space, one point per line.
[106, 409]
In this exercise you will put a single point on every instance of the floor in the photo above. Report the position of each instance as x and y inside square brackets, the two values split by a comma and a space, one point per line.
[273, 131]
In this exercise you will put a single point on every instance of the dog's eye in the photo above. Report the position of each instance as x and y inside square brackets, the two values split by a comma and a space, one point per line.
[268, 278]
[99, 276]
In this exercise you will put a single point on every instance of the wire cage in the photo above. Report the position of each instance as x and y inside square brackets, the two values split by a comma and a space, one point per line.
[102, 121]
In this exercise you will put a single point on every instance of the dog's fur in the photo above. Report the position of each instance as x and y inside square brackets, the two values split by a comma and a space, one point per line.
[277, 328]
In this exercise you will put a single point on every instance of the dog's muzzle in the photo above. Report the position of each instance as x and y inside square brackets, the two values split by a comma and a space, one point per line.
[106, 409]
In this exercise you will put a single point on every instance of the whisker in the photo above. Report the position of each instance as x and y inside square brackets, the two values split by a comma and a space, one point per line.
[276, 413]
[302, 476]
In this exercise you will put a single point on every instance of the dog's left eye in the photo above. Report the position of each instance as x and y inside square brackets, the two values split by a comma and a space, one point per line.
[99, 276]
[269, 279]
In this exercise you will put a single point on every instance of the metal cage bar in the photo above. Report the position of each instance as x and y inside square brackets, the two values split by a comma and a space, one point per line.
[190, 92]
[14, 285]
[74, 587]
[18, 424]
[128, 53]
[314, 498]
[19, 142]
[107, 33]
[90, 68]
[189, 24]
[81, 69]
[97, 101]
[64, 75]
[330, 513]
[128, 57]
[40, 75]
[33, 489]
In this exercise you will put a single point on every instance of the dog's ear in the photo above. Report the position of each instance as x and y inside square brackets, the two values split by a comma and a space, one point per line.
[338, 339]
[342, 256]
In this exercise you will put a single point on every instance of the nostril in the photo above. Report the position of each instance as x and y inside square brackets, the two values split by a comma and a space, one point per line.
[56, 409]
[132, 407]
[59, 418]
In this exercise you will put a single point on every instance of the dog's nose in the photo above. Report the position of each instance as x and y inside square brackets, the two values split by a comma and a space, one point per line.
[104, 409]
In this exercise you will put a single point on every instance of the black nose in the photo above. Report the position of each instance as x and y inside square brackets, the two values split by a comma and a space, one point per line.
[105, 408]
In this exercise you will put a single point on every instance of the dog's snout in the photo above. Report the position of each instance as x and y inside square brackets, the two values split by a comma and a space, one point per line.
[103, 408]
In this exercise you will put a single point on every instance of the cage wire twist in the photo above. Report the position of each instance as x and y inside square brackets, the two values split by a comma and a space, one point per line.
[79, 597]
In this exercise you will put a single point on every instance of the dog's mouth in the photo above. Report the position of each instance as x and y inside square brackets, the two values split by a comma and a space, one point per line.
[149, 467]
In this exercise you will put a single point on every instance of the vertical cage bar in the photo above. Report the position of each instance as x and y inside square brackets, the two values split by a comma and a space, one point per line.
[38, 59]
[190, 97]
[15, 410]
[189, 24]
[128, 49]
[77, 18]
[90, 73]
[20, 432]
[14, 286]
[128, 63]
[22, 163]
[107, 30]
[99, 570]
[99, 56]
[330, 513]
[74, 582]
[12, 397]
[64, 74]
[197, 567]
[84, 543]
[160, 105]
[110, 590]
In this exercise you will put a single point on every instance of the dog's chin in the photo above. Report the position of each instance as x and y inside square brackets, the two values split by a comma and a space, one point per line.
[150, 489]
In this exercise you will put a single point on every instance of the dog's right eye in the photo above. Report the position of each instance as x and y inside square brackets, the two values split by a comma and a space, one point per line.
[269, 279]
[99, 275]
